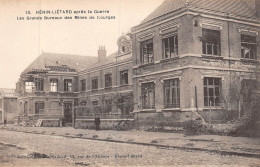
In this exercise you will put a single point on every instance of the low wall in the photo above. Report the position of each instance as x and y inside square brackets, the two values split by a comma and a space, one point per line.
[105, 123]
[218, 115]
[161, 120]
[50, 123]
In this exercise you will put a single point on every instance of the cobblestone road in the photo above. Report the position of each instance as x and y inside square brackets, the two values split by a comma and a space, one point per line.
[84, 152]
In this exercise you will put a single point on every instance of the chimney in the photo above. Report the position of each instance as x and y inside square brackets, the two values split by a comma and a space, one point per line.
[257, 9]
[101, 54]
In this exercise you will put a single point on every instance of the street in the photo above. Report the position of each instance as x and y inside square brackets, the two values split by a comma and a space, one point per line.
[62, 151]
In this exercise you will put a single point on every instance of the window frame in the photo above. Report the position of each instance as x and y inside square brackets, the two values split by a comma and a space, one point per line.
[52, 85]
[94, 102]
[108, 80]
[83, 85]
[252, 47]
[68, 85]
[208, 87]
[150, 49]
[38, 108]
[123, 78]
[29, 84]
[209, 43]
[173, 98]
[94, 79]
[148, 89]
[38, 84]
[175, 47]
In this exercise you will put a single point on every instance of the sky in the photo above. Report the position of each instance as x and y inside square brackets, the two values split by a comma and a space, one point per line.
[23, 40]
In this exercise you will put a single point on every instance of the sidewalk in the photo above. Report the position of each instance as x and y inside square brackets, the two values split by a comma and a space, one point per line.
[227, 145]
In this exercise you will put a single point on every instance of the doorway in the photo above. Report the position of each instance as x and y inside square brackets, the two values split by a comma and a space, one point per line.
[68, 113]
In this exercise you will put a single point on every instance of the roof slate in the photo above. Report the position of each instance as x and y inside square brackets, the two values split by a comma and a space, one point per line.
[244, 8]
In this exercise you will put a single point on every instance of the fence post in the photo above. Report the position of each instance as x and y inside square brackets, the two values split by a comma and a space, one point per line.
[239, 109]
[209, 112]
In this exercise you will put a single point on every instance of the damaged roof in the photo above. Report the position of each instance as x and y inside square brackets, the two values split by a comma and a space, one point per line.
[244, 8]
[60, 63]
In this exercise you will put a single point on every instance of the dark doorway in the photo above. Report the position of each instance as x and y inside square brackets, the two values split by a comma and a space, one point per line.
[68, 113]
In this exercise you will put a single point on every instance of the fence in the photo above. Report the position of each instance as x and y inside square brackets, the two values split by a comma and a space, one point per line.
[107, 111]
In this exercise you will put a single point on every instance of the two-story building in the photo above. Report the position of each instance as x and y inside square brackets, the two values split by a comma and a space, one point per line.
[187, 55]
[55, 84]
[48, 87]
[186, 58]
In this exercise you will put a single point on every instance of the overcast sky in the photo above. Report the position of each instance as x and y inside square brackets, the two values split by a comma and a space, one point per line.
[21, 41]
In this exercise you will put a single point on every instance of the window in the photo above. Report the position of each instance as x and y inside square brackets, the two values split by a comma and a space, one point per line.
[124, 77]
[212, 91]
[148, 95]
[38, 84]
[211, 42]
[94, 83]
[108, 106]
[94, 103]
[39, 106]
[147, 52]
[171, 93]
[248, 46]
[29, 86]
[248, 88]
[108, 80]
[54, 85]
[83, 85]
[170, 46]
[67, 85]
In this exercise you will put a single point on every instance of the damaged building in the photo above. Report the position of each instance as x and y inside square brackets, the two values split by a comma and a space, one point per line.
[187, 58]
[190, 56]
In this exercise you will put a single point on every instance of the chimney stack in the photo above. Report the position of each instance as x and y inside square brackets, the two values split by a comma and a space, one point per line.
[257, 9]
[101, 54]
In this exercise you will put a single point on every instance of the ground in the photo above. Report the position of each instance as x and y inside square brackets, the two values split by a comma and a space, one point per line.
[79, 147]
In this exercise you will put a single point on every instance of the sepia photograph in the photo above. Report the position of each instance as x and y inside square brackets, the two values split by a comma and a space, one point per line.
[129, 83]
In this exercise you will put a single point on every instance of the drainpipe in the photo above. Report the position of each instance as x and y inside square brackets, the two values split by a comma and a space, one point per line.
[229, 64]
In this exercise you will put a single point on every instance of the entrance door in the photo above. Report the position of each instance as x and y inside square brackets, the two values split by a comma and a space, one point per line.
[68, 112]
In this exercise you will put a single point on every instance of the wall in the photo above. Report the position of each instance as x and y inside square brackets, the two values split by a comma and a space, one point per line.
[9, 110]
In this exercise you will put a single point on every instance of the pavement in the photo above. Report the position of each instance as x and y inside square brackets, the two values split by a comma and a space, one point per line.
[224, 145]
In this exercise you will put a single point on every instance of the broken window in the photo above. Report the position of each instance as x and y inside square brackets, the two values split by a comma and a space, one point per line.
[148, 95]
[248, 46]
[39, 107]
[38, 84]
[94, 83]
[53, 85]
[29, 86]
[124, 77]
[212, 91]
[170, 46]
[83, 85]
[211, 42]
[108, 80]
[68, 85]
[171, 93]
[147, 52]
